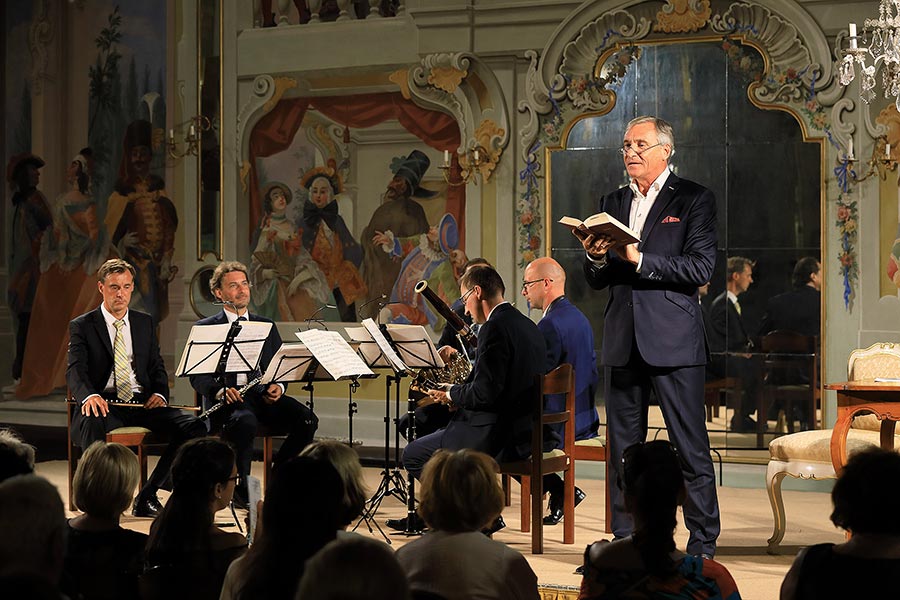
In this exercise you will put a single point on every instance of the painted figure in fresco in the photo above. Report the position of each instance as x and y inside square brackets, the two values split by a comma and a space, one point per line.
[434, 257]
[70, 257]
[402, 215]
[290, 286]
[142, 221]
[31, 218]
[330, 242]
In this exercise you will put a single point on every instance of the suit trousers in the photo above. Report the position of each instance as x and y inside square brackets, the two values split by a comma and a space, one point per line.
[680, 394]
[286, 416]
[177, 425]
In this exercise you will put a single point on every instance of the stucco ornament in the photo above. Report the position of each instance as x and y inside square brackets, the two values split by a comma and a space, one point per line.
[683, 16]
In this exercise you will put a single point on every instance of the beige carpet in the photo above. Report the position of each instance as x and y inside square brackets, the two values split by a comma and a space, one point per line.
[746, 525]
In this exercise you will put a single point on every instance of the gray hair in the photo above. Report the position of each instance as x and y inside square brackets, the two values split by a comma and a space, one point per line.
[33, 523]
[664, 130]
[16, 457]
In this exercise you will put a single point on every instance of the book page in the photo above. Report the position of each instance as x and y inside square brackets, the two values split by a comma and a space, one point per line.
[290, 363]
[254, 495]
[415, 346]
[384, 345]
[334, 353]
[367, 347]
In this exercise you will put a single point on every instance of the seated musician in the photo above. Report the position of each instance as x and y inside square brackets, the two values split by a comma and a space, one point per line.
[431, 417]
[261, 403]
[114, 359]
[490, 411]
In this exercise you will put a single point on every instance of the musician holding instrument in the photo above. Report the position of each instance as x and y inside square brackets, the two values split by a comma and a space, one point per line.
[491, 409]
[246, 403]
[116, 374]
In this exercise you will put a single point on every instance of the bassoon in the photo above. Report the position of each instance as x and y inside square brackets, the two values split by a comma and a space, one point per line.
[453, 319]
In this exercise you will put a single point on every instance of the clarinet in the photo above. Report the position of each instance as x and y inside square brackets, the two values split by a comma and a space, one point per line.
[219, 405]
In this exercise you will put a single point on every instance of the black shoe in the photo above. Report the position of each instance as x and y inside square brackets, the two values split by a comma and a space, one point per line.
[146, 505]
[417, 525]
[556, 506]
[496, 526]
[579, 570]
[742, 424]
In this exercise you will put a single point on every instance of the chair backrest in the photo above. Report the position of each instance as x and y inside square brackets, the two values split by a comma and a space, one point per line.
[788, 342]
[789, 358]
[560, 380]
[878, 360]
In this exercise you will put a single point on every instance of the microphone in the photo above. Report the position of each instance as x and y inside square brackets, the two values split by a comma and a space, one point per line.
[312, 317]
[376, 299]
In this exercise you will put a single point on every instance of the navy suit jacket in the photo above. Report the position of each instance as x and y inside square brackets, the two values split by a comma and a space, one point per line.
[658, 307]
[494, 414]
[209, 385]
[727, 331]
[798, 310]
[570, 339]
[91, 361]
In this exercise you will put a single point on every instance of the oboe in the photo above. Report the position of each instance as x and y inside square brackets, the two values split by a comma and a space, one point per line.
[219, 405]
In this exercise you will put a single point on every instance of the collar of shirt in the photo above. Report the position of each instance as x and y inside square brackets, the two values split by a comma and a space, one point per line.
[732, 297]
[495, 308]
[654, 187]
[232, 317]
[110, 319]
[641, 204]
[551, 305]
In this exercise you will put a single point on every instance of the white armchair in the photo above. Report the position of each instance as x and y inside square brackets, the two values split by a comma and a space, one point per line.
[807, 454]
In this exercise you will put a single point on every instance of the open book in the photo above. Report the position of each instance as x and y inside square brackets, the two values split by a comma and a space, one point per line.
[603, 224]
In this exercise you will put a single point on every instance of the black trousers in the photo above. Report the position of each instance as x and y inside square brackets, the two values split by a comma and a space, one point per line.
[178, 425]
[286, 416]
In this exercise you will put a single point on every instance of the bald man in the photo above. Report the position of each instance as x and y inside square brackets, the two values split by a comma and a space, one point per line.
[569, 339]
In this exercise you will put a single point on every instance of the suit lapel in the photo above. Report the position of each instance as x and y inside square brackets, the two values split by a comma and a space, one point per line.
[666, 195]
[102, 331]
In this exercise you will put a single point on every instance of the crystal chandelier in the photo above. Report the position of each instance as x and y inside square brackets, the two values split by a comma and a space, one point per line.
[880, 42]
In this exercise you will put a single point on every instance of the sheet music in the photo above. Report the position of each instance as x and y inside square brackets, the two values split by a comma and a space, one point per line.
[368, 348]
[290, 363]
[254, 495]
[334, 353]
[415, 346]
[204, 347]
[384, 345]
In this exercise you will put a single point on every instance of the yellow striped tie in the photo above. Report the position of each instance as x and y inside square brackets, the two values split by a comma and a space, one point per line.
[123, 370]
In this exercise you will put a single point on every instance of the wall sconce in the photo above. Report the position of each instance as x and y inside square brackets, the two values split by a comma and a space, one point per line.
[472, 161]
[198, 125]
[880, 162]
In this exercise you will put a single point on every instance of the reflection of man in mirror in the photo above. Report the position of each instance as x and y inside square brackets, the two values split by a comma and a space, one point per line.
[729, 334]
[653, 337]
[31, 218]
[799, 309]
[402, 215]
[329, 241]
[142, 220]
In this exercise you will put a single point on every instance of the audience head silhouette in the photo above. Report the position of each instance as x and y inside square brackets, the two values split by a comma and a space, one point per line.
[460, 491]
[33, 523]
[16, 457]
[376, 573]
[865, 495]
[105, 480]
[346, 461]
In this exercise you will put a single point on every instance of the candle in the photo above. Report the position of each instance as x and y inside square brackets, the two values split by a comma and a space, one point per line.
[446, 158]
[171, 135]
[887, 151]
[853, 36]
[850, 148]
[191, 131]
[476, 155]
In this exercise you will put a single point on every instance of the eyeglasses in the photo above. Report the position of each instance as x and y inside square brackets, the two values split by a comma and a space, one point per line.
[525, 284]
[243, 284]
[638, 150]
[464, 297]
[234, 478]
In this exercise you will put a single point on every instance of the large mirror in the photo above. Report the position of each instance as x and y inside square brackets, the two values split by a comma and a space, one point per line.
[767, 179]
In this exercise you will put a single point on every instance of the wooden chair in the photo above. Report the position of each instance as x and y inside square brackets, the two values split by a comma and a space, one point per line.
[560, 380]
[133, 437]
[790, 374]
[807, 454]
[594, 449]
[713, 393]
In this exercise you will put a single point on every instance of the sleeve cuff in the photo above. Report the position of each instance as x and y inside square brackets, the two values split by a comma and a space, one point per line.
[597, 262]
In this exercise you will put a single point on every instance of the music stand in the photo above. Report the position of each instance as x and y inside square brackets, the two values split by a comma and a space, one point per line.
[223, 349]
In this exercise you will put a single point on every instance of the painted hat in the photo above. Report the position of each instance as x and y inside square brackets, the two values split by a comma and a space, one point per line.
[288, 194]
[139, 133]
[20, 160]
[448, 233]
[412, 168]
[328, 173]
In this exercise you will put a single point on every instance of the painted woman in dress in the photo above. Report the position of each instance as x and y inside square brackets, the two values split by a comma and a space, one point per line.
[288, 284]
[70, 255]
[330, 242]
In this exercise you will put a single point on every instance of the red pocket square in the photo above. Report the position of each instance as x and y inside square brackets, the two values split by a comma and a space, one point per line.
[671, 219]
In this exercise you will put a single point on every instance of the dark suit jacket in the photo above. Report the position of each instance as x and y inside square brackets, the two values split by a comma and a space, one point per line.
[495, 401]
[727, 331]
[209, 385]
[658, 307]
[91, 355]
[448, 334]
[570, 339]
[799, 310]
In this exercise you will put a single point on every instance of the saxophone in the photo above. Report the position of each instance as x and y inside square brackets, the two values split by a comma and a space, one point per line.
[456, 369]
